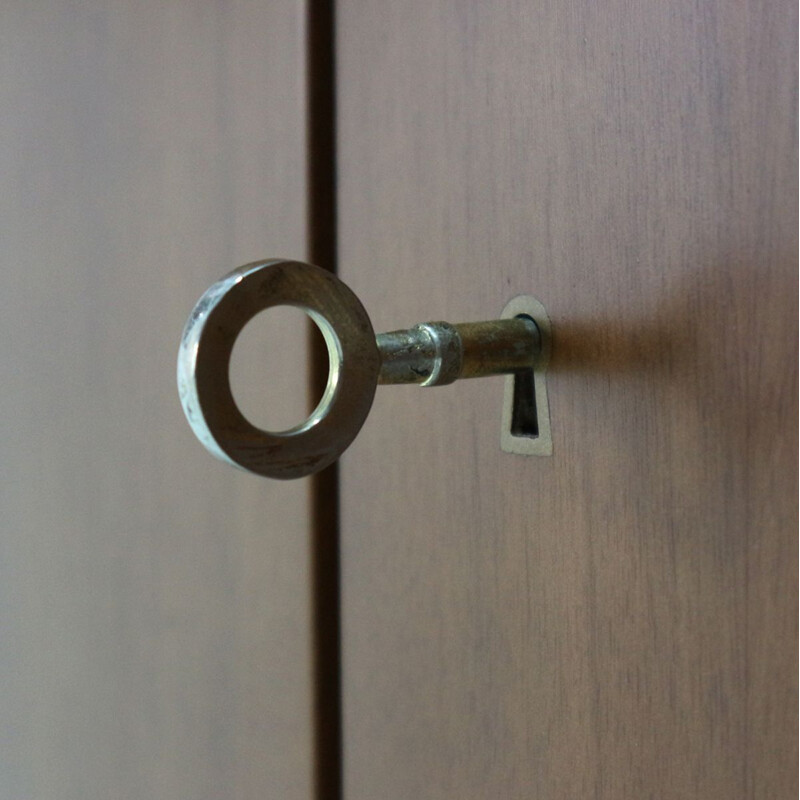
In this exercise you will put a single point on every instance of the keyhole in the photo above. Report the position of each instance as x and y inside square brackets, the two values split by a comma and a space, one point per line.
[524, 416]
[269, 374]
[526, 411]
[524, 419]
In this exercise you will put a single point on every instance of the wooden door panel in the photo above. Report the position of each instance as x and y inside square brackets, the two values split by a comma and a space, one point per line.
[155, 603]
[616, 620]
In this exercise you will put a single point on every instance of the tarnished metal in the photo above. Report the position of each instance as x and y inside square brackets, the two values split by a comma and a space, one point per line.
[204, 360]
[438, 353]
[429, 354]
[406, 356]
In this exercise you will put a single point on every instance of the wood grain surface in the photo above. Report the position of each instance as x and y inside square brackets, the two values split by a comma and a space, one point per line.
[154, 603]
[618, 620]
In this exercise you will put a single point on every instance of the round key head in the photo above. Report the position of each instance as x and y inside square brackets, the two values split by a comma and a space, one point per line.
[204, 362]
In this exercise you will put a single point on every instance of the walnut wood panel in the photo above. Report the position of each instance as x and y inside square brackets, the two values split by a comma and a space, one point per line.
[617, 621]
[154, 604]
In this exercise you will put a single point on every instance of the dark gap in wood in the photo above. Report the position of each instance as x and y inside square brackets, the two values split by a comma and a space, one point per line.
[524, 415]
[325, 565]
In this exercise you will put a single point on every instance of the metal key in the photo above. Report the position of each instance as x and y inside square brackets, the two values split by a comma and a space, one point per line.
[430, 354]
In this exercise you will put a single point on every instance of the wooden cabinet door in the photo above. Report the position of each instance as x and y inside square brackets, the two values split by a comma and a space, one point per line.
[154, 604]
[617, 620]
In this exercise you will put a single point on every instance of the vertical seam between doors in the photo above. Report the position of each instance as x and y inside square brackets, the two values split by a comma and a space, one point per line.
[325, 560]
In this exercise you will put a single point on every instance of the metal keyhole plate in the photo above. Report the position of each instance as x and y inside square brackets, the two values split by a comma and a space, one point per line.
[204, 361]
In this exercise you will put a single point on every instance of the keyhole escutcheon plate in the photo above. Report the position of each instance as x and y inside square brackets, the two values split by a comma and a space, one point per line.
[526, 413]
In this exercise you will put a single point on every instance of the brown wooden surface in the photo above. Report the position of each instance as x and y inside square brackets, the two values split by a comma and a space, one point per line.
[154, 603]
[617, 621]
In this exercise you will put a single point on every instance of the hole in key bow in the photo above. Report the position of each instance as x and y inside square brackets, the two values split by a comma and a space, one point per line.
[268, 370]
